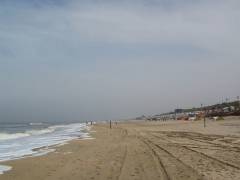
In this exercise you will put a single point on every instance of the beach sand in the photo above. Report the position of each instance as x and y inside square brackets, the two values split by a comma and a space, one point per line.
[141, 151]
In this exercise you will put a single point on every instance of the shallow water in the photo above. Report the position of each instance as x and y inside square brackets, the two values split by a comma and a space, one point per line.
[30, 142]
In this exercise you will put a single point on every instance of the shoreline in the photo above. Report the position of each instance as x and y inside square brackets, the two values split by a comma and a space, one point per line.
[42, 151]
[45, 149]
[121, 153]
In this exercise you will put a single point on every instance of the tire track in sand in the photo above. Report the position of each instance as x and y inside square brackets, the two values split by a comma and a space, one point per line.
[172, 167]
[200, 153]
[122, 163]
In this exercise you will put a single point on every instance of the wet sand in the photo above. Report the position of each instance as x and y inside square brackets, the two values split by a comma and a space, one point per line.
[141, 150]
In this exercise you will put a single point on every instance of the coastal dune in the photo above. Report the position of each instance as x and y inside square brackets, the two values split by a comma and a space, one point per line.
[141, 150]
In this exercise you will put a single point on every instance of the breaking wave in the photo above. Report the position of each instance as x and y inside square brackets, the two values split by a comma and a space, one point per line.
[38, 142]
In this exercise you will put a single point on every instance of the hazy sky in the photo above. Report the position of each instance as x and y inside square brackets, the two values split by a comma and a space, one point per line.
[70, 60]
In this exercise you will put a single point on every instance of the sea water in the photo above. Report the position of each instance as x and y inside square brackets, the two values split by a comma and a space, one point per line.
[34, 139]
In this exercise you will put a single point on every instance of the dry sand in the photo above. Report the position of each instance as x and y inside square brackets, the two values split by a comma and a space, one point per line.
[141, 150]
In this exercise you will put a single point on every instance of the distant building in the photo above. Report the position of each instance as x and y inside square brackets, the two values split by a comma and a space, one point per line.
[178, 111]
[141, 118]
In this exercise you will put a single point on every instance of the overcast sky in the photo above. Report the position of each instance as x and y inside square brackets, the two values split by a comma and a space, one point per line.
[77, 60]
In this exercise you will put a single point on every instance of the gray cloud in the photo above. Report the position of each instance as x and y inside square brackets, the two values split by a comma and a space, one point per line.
[81, 60]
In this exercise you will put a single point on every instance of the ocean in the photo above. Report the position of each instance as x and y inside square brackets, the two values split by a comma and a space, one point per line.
[18, 140]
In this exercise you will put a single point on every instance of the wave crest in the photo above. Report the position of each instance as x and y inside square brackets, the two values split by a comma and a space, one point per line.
[6, 136]
[9, 136]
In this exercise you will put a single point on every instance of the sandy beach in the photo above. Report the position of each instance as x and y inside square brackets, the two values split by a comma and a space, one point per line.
[141, 150]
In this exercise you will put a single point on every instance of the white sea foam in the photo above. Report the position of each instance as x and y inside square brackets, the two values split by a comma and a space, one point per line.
[38, 142]
[34, 124]
[42, 131]
[6, 136]
[4, 169]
